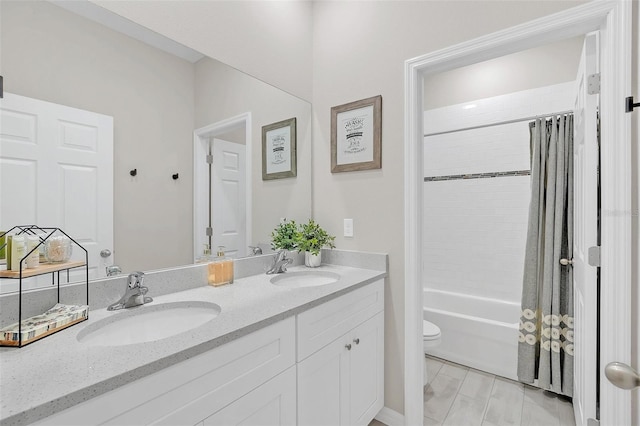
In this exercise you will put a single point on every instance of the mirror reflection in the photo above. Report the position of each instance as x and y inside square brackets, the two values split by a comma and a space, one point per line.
[120, 164]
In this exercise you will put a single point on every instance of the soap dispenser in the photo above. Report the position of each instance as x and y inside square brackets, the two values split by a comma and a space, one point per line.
[206, 255]
[221, 269]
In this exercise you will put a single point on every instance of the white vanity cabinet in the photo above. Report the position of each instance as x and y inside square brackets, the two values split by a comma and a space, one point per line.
[341, 359]
[323, 366]
[235, 374]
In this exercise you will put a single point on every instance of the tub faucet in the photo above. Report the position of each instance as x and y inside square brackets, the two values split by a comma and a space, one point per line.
[280, 263]
[134, 293]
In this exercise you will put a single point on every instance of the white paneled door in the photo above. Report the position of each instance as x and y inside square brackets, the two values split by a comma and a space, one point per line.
[56, 170]
[586, 155]
[228, 198]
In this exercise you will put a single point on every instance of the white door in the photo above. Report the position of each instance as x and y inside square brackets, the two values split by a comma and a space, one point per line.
[586, 157]
[228, 198]
[56, 170]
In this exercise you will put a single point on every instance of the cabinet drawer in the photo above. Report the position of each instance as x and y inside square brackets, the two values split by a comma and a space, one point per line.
[190, 391]
[323, 324]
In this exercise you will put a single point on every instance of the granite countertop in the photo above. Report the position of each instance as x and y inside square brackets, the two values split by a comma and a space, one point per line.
[58, 372]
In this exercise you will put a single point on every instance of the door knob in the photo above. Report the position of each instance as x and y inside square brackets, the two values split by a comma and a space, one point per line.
[565, 262]
[105, 253]
[621, 375]
[356, 340]
[348, 346]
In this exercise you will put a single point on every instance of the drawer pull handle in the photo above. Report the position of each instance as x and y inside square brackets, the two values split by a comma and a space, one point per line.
[348, 346]
[356, 340]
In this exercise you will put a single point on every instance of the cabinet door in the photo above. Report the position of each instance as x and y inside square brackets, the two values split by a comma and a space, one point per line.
[271, 404]
[323, 388]
[366, 371]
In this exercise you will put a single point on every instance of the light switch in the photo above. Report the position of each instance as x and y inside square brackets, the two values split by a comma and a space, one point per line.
[348, 227]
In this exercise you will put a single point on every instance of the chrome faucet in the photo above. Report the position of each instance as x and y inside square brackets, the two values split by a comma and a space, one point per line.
[134, 293]
[280, 263]
[113, 270]
[255, 250]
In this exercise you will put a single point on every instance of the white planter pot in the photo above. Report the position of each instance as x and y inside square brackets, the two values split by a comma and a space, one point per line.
[312, 260]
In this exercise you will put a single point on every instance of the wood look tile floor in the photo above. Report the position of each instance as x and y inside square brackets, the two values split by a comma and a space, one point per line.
[461, 396]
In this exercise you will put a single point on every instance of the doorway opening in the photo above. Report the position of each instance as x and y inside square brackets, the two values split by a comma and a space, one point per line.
[612, 19]
[222, 186]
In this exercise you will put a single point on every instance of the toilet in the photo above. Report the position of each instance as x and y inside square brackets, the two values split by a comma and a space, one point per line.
[430, 339]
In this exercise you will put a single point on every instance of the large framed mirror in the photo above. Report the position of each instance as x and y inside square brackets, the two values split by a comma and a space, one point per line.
[157, 93]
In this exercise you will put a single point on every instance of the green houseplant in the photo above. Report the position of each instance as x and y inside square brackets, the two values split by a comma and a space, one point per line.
[285, 236]
[311, 239]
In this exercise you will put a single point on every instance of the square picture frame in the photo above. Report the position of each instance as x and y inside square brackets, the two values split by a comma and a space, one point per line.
[356, 135]
[279, 152]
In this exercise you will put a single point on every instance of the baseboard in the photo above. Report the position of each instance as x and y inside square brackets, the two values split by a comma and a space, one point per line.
[390, 417]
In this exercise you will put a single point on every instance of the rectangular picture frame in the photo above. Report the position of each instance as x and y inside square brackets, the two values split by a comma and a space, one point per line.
[279, 156]
[356, 135]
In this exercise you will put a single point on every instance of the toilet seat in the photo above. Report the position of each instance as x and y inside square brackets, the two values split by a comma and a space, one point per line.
[430, 339]
[430, 331]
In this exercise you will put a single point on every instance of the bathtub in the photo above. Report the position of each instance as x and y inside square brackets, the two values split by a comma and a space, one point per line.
[477, 332]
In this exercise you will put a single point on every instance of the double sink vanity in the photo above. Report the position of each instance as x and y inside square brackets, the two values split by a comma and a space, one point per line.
[302, 347]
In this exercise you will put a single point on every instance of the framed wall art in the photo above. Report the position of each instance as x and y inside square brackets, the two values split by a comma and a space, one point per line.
[356, 135]
[279, 150]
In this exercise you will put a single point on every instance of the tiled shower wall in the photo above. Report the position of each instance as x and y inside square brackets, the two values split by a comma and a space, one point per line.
[477, 191]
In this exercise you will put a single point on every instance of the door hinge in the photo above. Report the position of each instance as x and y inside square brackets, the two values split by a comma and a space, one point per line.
[209, 159]
[593, 422]
[593, 256]
[209, 231]
[593, 84]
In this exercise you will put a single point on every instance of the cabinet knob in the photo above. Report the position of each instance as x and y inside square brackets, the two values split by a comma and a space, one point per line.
[356, 340]
[348, 346]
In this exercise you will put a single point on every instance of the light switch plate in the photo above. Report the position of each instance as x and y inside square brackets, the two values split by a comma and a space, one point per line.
[348, 227]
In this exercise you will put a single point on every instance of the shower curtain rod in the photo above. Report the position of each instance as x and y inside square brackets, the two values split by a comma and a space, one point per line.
[498, 123]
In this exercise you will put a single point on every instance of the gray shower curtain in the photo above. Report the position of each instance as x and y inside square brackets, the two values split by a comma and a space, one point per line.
[545, 348]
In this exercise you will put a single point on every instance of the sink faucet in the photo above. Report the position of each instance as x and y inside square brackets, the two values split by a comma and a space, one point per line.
[113, 270]
[134, 293]
[280, 263]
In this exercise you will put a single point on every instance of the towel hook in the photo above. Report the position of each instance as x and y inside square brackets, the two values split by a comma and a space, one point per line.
[133, 172]
[629, 105]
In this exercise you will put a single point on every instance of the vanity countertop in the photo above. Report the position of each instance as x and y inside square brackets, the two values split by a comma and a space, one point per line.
[58, 372]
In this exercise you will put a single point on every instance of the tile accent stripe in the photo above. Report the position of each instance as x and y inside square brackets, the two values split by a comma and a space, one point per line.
[478, 175]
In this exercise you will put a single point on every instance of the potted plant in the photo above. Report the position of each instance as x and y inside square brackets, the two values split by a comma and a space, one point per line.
[311, 239]
[285, 236]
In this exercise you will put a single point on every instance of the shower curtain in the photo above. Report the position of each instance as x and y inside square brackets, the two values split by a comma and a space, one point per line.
[545, 348]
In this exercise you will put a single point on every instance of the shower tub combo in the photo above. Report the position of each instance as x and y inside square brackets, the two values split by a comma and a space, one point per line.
[477, 332]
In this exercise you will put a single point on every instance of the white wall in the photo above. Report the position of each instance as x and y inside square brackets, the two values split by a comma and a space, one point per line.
[270, 40]
[475, 229]
[359, 49]
[529, 69]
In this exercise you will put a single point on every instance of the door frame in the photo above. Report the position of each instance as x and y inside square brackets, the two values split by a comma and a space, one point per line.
[201, 139]
[613, 20]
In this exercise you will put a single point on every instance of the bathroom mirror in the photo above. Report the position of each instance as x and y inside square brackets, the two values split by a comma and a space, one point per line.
[157, 101]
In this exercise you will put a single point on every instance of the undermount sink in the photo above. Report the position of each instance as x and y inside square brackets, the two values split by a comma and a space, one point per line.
[148, 323]
[305, 278]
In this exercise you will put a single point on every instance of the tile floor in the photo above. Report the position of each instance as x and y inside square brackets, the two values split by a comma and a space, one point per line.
[460, 396]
